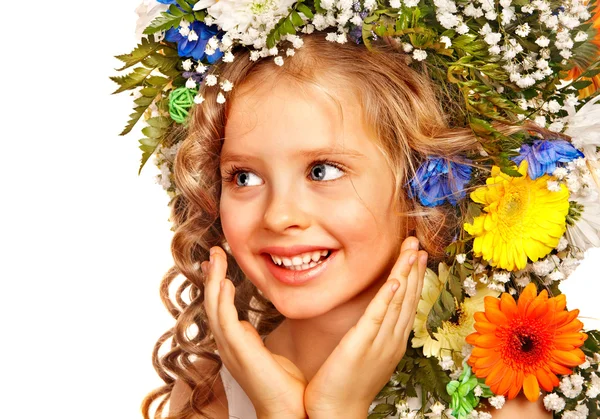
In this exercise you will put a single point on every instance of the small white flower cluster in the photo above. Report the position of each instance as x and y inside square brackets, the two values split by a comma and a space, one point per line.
[164, 158]
[574, 387]
[474, 414]
[338, 14]
[571, 385]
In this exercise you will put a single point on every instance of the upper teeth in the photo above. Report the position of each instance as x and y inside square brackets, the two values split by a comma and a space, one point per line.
[301, 259]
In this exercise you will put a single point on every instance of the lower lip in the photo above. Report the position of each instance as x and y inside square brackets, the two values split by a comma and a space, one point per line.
[289, 277]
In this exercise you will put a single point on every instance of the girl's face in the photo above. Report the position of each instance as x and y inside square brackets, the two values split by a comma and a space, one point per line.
[295, 174]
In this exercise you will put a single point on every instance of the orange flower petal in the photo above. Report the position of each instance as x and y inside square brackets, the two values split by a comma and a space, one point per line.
[569, 359]
[487, 341]
[496, 316]
[485, 327]
[557, 368]
[518, 384]
[506, 382]
[531, 388]
[508, 305]
[526, 297]
[546, 379]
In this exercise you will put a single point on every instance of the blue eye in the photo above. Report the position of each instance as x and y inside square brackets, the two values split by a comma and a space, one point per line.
[319, 172]
[244, 178]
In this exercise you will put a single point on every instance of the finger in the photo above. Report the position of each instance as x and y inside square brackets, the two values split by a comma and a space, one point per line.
[370, 322]
[422, 271]
[410, 242]
[216, 272]
[407, 318]
[409, 302]
[229, 323]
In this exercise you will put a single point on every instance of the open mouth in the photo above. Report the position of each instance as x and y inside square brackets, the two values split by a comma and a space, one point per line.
[300, 262]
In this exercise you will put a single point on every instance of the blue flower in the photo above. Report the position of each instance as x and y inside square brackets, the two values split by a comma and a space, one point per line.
[195, 49]
[438, 180]
[545, 156]
[167, 1]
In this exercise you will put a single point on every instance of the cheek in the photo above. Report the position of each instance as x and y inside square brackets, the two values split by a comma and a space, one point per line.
[237, 222]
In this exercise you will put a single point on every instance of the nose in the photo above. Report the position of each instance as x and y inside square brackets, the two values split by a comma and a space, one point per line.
[285, 211]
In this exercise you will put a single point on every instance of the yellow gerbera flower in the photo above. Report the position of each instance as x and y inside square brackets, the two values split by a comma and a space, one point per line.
[450, 337]
[522, 218]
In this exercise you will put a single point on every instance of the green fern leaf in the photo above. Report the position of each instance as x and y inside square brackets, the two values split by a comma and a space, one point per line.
[132, 80]
[138, 111]
[143, 50]
[167, 20]
[148, 147]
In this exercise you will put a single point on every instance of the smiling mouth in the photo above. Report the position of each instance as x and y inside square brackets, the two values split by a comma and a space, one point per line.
[301, 262]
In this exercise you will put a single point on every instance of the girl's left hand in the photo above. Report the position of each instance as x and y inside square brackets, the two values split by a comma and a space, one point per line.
[366, 357]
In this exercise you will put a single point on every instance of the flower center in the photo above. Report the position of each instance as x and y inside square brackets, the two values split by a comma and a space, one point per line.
[511, 205]
[259, 7]
[526, 344]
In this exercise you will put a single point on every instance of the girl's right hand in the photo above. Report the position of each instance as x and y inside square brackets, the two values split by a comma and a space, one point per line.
[272, 382]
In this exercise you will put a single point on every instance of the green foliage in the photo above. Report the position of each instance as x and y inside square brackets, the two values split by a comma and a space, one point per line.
[592, 343]
[382, 411]
[447, 302]
[170, 19]
[155, 132]
[131, 80]
[287, 25]
[142, 51]
[414, 371]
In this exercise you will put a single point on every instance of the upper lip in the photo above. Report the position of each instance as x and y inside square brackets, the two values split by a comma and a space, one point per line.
[292, 250]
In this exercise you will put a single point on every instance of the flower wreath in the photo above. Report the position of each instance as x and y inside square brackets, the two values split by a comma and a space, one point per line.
[483, 328]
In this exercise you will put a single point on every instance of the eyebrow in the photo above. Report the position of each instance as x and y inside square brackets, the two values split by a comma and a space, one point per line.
[308, 154]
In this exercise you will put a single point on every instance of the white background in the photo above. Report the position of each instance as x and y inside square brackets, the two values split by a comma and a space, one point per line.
[84, 241]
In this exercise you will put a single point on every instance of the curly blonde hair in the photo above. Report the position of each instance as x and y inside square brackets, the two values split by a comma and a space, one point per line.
[399, 103]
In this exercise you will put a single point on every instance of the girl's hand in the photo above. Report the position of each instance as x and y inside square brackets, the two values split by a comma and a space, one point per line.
[272, 382]
[366, 357]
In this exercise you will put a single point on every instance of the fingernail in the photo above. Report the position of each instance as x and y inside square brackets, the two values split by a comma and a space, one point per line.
[222, 283]
[213, 250]
[203, 267]
[412, 258]
[395, 286]
[414, 244]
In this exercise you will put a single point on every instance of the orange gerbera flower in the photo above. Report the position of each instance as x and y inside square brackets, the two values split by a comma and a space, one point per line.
[525, 344]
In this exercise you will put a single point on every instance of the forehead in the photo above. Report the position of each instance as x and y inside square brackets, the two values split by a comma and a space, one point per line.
[287, 117]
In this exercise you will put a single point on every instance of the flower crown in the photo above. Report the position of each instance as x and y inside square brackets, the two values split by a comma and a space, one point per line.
[483, 328]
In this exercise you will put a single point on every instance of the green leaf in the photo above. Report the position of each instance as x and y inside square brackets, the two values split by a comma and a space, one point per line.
[164, 64]
[157, 81]
[144, 101]
[138, 111]
[296, 19]
[131, 80]
[382, 411]
[166, 21]
[149, 91]
[153, 132]
[592, 343]
[183, 4]
[148, 147]
[143, 50]
[288, 27]
[582, 84]
[161, 122]
[432, 378]
[305, 10]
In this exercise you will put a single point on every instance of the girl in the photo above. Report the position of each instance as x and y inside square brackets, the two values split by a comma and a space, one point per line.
[301, 178]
